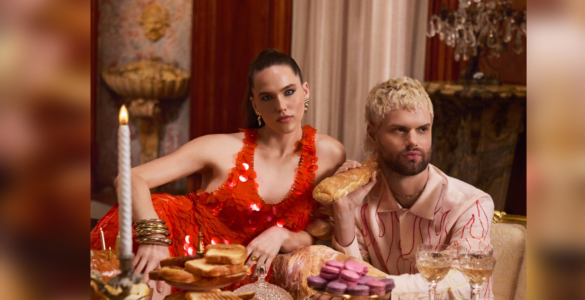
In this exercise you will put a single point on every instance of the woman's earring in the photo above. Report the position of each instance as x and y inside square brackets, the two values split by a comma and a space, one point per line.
[259, 119]
[306, 104]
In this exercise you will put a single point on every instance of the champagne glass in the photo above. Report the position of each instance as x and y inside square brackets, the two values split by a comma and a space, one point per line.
[477, 266]
[433, 263]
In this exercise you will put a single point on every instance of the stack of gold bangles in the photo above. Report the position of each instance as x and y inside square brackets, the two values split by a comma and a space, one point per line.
[144, 229]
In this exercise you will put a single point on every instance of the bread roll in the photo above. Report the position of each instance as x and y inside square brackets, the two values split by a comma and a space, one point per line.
[337, 186]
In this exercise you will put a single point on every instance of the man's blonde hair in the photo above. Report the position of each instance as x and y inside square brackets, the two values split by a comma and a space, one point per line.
[398, 93]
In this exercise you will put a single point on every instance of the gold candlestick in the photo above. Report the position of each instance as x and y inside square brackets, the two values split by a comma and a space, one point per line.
[200, 250]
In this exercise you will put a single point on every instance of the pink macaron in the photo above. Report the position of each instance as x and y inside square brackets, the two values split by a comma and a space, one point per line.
[334, 263]
[354, 266]
[329, 273]
[349, 277]
[377, 287]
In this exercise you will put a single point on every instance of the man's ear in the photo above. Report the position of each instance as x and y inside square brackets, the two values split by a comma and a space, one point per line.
[306, 90]
[372, 132]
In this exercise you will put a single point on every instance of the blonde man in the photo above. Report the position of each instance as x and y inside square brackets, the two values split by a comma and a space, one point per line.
[410, 202]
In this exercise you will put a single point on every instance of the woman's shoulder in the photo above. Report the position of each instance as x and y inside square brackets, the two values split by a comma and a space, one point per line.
[217, 142]
[329, 147]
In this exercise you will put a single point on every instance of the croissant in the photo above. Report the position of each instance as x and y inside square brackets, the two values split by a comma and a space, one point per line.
[337, 186]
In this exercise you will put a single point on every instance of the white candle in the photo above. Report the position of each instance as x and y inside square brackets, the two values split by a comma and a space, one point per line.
[124, 185]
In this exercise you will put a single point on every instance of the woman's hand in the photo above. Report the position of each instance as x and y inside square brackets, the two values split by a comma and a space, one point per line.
[266, 246]
[148, 258]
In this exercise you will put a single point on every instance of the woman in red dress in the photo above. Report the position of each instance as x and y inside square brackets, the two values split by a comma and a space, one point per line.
[257, 184]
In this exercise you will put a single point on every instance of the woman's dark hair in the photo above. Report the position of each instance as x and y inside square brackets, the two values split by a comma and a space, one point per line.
[265, 59]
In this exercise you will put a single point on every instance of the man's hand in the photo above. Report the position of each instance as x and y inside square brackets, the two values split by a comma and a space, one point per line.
[351, 200]
[343, 209]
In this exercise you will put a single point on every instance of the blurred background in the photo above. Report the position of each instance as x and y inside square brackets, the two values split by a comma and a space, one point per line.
[66, 66]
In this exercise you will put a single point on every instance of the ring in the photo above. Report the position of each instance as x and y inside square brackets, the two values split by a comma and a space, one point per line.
[254, 257]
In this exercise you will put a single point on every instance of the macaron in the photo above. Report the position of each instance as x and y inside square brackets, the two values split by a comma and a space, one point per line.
[365, 271]
[349, 277]
[336, 287]
[358, 290]
[334, 263]
[317, 282]
[377, 287]
[329, 273]
[354, 266]
[389, 284]
[365, 279]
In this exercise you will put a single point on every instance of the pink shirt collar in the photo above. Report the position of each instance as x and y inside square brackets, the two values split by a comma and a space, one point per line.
[425, 205]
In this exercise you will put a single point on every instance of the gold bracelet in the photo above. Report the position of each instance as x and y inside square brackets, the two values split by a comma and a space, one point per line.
[145, 221]
[151, 226]
[144, 232]
[153, 240]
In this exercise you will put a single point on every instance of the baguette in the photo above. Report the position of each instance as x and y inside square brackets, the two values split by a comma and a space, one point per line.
[200, 268]
[226, 254]
[337, 186]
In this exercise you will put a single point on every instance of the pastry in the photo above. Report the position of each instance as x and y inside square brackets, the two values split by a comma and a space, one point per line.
[176, 274]
[389, 284]
[365, 279]
[358, 290]
[178, 261]
[354, 266]
[247, 295]
[155, 275]
[377, 287]
[316, 282]
[329, 273]
[349, 278]
[176, 296]
[334, 263]
[223, 295]
[199, 267]
[226, 254]
[336, 287]
[337, 186]
[212, 281]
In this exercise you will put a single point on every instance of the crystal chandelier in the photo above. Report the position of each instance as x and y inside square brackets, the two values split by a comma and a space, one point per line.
[480, 27]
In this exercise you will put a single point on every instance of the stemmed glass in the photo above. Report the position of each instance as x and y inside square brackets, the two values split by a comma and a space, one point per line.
[433, 263]
[477, 266]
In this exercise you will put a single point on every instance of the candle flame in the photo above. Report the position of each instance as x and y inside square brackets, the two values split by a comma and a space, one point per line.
[123, 115]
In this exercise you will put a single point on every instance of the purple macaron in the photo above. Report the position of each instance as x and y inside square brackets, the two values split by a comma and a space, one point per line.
[389, 284]
[358, 290]
[354, 266]
[335, 264]
[317, 282]
[336, 287]
[377, 287]
[329, 273]
[349, 277]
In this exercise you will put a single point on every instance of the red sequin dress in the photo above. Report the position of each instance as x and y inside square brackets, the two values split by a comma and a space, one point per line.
[234, 213]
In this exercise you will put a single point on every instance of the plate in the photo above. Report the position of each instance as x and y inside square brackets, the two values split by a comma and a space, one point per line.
[206, 284]
[346, 296]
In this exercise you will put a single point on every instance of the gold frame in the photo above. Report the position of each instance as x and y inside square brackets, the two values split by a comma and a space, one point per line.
[503, 217]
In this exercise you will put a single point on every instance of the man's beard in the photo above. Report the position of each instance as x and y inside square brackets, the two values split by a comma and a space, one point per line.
[409, 168]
